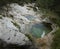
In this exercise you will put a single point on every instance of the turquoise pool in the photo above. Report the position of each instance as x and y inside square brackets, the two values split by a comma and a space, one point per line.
[38, 29]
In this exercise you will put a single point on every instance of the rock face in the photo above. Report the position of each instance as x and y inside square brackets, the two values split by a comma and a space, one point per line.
[14, 26]
[10, 34]
[4, 45]
[23, 16]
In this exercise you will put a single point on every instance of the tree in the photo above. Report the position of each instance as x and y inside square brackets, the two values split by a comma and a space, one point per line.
[44, 3]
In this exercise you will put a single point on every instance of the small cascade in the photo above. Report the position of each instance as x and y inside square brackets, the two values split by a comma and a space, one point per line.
[43, 34]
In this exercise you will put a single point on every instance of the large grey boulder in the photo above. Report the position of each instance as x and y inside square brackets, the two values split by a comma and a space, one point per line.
[10, 34]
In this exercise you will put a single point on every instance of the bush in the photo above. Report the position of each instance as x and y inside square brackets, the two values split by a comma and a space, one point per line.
[56, 40]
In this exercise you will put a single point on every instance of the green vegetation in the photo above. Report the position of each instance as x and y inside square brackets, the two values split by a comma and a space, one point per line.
[53, 5]
[44, 3]
[0, 16]
[30, 37]
[56, 40]
[17, 25]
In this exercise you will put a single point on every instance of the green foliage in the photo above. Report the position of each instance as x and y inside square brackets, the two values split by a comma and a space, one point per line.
[4, 2]
[44, 3]
[0, 17]
[29, 36]
[52, 5]
[56, 40]
[34, 9]
[21, 2]
[56, 20]
[17, 25]
[48, 4]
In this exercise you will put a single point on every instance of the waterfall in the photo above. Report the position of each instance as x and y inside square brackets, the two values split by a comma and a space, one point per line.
[43, 34]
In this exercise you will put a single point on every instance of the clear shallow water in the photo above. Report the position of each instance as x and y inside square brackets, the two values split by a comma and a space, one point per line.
[38, 29]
